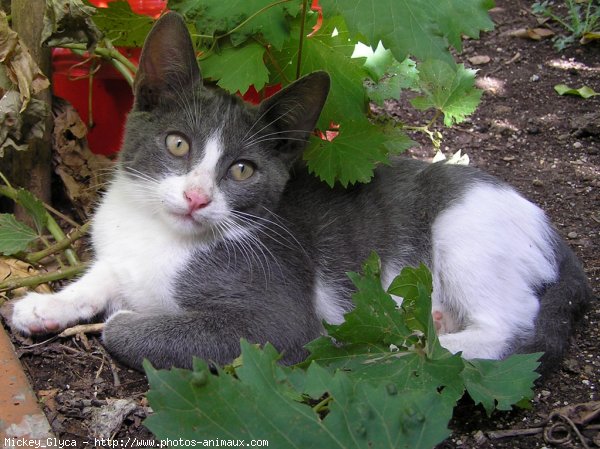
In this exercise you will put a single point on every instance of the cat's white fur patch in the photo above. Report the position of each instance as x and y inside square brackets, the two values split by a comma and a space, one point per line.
[490, 251]
[328, 303]
[138, 257]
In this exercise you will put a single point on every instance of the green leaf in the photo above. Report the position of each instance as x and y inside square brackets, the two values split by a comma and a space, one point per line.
[15, 236]
[269, 18]
[256, 405]
[449, 89]
[329, 52]
[398, 76]
[237, 68]
[583, 92]
[121, 25]
[421, 28]
[501, 383]
[34, 207]
[351, 156]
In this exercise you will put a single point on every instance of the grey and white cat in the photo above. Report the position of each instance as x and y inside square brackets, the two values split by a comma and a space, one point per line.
[212, 230]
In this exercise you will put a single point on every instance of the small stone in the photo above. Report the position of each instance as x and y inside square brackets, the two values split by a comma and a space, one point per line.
[538, 183]
[545, 393]
[577, 145]
[572, 235]
[480, 438]
[534, 78]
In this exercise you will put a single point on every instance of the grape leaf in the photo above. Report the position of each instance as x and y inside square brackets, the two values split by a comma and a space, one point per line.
[359, 147]
[351, 156]
[420, 28]
[34, 207]
[14, 235]
[121, 25]
[396, 77]
[498, 384]
[331, 52]
[268, 18]
[237, 68]
[448, 88]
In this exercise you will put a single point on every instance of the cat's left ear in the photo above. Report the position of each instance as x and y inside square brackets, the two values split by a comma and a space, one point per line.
[294, 110]
[168, 63]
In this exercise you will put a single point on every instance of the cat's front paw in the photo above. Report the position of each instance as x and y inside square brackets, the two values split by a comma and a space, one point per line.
[42, 314]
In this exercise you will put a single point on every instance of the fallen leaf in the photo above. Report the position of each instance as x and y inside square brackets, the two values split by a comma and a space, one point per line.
[479, 59]
[589, 37]
[15, 268]
[535, 34]
[583, 92]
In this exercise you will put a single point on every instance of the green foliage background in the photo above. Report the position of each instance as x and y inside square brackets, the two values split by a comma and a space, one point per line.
[245, 43]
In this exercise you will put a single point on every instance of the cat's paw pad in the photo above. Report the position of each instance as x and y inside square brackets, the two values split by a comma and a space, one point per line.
[441, 326]
[42, 314]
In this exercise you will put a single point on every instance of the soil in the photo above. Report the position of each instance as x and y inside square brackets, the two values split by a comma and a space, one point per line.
[546, 145]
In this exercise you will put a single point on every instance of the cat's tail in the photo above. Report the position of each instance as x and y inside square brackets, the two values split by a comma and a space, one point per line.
[562, 306]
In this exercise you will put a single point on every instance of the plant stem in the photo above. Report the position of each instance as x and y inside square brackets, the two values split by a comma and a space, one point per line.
[59, 246]
[323, 404]
[234, 29]
[59, 236]
[33, 281]
[52, 225]
[302, 22]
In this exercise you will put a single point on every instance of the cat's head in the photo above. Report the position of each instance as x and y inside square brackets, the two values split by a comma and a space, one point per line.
[197, 157]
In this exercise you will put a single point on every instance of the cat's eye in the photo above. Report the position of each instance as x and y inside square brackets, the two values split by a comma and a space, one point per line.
[177, 145]
[241, 170]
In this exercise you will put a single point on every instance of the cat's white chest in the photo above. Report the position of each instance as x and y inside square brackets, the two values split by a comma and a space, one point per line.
[144, 257]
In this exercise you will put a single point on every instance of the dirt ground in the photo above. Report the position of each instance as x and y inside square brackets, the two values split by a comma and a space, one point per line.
[523, 132]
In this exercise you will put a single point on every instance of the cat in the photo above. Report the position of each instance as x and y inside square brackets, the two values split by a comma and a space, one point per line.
[213, 230]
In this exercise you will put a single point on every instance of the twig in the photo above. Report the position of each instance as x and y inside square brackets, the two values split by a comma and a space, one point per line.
[10, 192]
[59, 246]
[113, 367]
[94, 328]
[498, 434]
[34, 281]
[301, 44]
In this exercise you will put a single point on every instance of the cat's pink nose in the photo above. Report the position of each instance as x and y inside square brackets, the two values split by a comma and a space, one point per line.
[196, 199]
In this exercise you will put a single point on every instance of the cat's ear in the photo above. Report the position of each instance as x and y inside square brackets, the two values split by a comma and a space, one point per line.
[168, 63]
[294, 110]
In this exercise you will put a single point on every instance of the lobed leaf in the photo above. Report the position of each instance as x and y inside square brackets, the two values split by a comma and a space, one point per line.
[236, 69]
[447, 88]
[121, 25]
[420, 28]
[15, 236]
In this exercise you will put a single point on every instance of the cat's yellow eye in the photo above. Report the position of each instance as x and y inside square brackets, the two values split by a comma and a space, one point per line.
[177, 145]
[241, 170]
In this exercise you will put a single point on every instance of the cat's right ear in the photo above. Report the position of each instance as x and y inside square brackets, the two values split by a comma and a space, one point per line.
[168, 63]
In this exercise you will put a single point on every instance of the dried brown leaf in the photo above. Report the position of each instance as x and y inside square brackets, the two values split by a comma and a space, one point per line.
[535, 34]
[21, 69]
[68, 22]
[82, 172]
[479, 59]
[15, 268]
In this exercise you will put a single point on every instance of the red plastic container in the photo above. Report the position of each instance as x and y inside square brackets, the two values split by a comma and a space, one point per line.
[111, 97]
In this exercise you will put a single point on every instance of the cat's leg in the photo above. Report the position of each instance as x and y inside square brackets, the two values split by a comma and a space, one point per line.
[45, 313]
[490, 251]
[213, 334]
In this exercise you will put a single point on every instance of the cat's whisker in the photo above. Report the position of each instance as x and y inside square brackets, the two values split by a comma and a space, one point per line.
[249, 238]
[275, 138]
[279, 225]
[262, 136]
[290, 110]
[267, 231]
